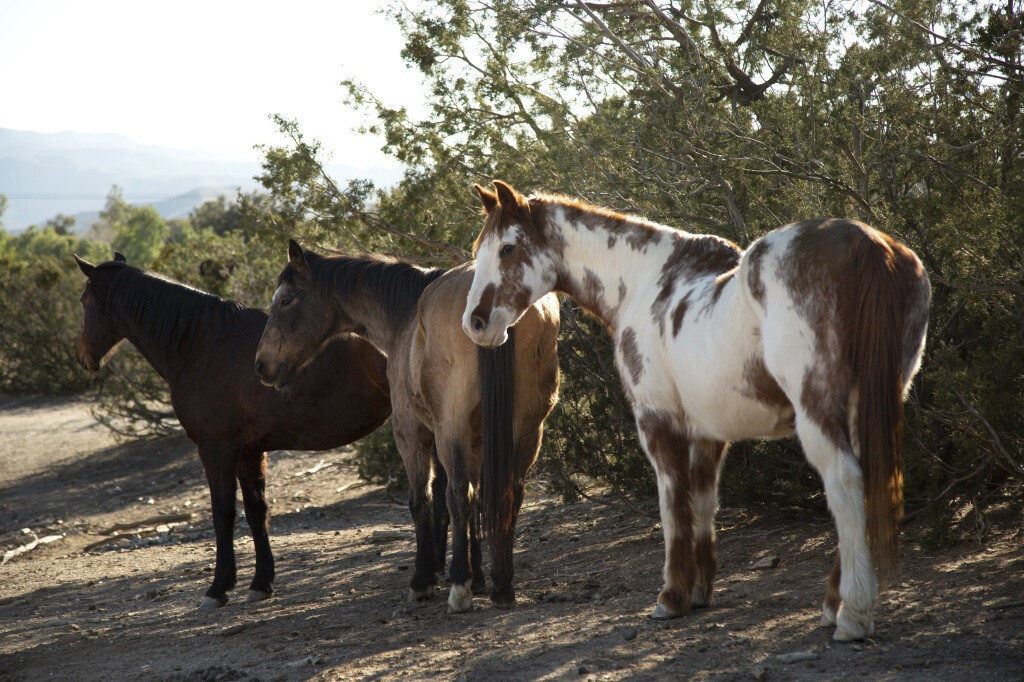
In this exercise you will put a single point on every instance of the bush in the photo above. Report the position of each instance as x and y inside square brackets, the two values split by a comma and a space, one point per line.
[377, 460]
[40, 287]
[39, 333]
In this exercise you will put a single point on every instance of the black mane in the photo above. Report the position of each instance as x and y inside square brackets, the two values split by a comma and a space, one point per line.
[168, 312]
[394, 282]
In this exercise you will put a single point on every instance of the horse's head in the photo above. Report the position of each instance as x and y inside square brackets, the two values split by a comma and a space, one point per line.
[514, 265]
[301, 322]
[100, 334]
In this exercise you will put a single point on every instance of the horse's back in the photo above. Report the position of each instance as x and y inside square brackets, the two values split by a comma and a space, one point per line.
[815, 267]
[814, 284]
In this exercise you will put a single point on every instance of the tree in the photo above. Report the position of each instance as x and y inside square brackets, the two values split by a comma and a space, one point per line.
[217, 215]
[140, 235]
[62, 224]
[731, 118]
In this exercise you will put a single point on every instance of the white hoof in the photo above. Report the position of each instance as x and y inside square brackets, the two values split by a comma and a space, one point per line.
[211, 604]
[851, 625]
[257, 595]
[661, 612]
[828, 616]
[460, 599]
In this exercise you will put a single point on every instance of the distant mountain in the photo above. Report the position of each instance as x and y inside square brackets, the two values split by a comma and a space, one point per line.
[43, 174]
[178, 206]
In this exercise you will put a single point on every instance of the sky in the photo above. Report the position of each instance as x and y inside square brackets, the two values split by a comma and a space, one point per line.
[201, 75]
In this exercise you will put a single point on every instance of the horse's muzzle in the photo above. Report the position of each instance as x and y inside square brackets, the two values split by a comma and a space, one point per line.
[85, 358]
[274, 378]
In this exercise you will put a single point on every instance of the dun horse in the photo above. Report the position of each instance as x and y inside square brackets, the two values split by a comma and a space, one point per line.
[817, 327]
[470, 404]
[203, 347]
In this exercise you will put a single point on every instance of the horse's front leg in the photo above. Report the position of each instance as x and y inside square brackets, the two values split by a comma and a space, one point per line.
[220, 474]
[460, 507]
[667, 448]
[252, 475]
[706, 458]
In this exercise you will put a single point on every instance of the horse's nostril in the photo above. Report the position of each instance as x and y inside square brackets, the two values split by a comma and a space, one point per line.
[261, 367]
[479, 324]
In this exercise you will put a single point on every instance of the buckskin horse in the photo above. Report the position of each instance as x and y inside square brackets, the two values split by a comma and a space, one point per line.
[818, 327]
[203, 346]
[472, 405]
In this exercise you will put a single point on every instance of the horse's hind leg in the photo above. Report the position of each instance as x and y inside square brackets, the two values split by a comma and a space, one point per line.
[479, 584]
[220, 474]
[844, 489]
[705, 463]
[530, 429]
[439, 497]
[830, 607]
[252, 475]
[416, 445]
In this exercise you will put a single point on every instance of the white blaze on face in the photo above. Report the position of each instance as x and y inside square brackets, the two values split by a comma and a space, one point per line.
[487, 273]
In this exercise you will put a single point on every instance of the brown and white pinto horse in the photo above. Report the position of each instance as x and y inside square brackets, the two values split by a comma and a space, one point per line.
[817, 327]
[472, 406]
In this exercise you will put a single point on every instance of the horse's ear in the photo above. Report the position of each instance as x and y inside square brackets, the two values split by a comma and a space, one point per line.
[85, 266]
[508, 197]
[488, 198]
[297, 257]
[119, 258]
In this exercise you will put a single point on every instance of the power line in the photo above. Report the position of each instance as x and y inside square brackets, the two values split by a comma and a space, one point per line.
[89, 197]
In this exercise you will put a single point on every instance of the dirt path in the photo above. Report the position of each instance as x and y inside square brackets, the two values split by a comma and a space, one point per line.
[586, 577]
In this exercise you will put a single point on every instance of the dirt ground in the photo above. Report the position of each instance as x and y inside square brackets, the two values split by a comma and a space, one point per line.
[586, 579]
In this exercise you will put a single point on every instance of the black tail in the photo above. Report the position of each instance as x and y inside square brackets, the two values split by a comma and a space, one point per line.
[497, 392]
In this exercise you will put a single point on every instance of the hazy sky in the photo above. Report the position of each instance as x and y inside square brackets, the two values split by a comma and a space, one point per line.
[200, 75]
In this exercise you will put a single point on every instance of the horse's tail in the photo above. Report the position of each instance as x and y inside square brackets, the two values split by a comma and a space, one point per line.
[497, 392]
[889, 280]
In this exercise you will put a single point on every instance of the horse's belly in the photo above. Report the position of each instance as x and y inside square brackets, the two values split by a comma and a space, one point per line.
[726, 411]
[734, 417]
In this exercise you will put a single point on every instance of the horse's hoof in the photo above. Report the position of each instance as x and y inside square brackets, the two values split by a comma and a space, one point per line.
[259, 595]
[421, 595]
[212, 603]
[828, 616]
[460, 599]
[661, 612]
[851, 625]
[503, 602]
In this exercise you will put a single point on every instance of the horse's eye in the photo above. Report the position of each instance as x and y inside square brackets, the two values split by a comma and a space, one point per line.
[286, 301]
[507, 249]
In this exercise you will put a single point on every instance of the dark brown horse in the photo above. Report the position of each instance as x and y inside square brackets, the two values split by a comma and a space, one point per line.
[203, 347]
[474, 406]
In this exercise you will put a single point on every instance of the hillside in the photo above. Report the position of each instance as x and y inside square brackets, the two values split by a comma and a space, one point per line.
[43, 174]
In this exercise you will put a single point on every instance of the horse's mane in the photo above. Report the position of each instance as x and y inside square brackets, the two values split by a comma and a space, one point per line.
[397, 283]
[169, 311]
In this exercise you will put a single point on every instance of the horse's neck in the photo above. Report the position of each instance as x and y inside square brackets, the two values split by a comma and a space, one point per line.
[607, 270]
[154, 353]
[166, 360]
[375, 318]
